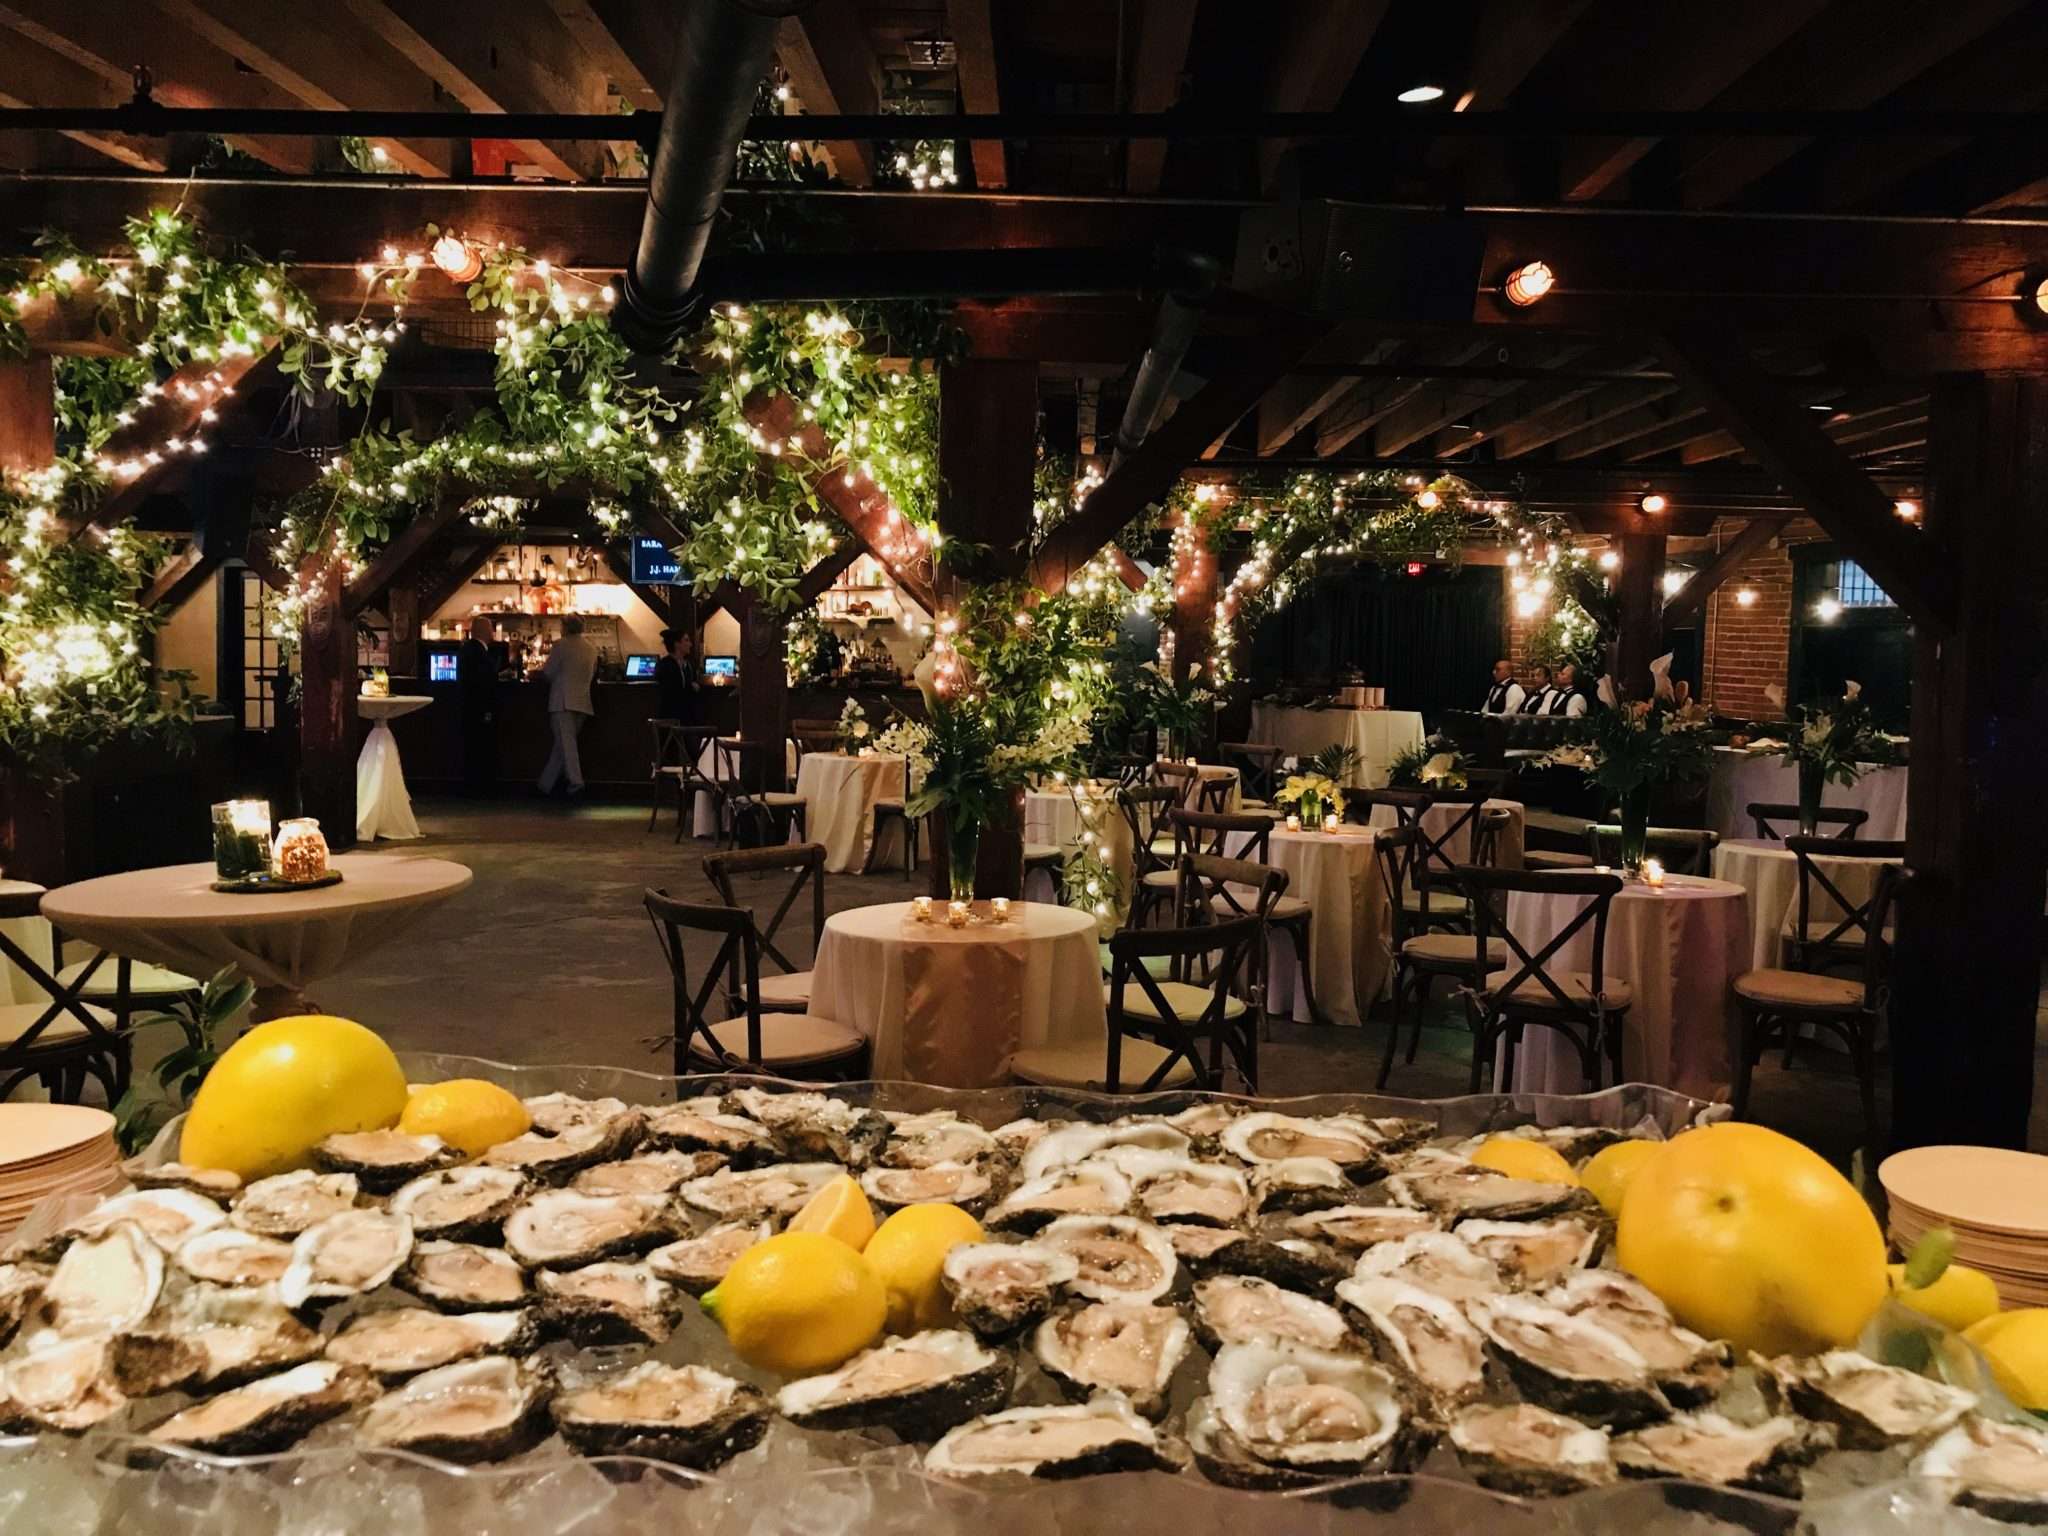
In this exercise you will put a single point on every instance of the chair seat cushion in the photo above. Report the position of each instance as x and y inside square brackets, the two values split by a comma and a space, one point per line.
[1434, 901]
[1548, 858]
[676, 770]
[787, 1039]
[1251, 805]
[1577, 985]
[1453, 949]
[777, 798]
[1799, 989]
[1165, 847]
[1042, 853]
[1087, 1066]
[16, 1018]
[144, 980]
[1160, 966]
[1285, 908]
[1162, 879]
[1185, 999]
[790, 993]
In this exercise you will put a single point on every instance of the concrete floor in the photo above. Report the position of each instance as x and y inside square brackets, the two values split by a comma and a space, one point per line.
[549, 957]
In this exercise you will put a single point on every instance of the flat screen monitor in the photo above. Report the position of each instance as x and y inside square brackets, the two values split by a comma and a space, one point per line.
[727, 667]
[640, 665]
[655, 564]
[441, 666]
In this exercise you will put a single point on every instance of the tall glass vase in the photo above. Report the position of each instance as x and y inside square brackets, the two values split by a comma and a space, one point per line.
[1812, 778]
[1635, 829]
[963, 853]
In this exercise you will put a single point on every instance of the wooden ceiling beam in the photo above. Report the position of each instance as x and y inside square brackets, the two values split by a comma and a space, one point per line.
[1158, 65]
[1897, 439]
[1723, 444]
[391, 562]
[587, 25]
[1366, 405]
[974, 48]
[1299, 399]
[1689, 602]
[644, 31]
[185, 402]
[1318, 53]
[1435, 410]
[179, 577]
[1536, 398]
[1601, 404]
[32, 75]
[832, 69]
[1627, 427]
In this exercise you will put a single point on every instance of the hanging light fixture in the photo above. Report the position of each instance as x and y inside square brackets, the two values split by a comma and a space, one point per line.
[1528, 283]
[1907, 509]
[1745, 597]
[1653, 502]
[457, 258]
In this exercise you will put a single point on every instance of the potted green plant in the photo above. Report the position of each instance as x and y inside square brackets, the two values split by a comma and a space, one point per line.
[1627, 749]
[1436, 763]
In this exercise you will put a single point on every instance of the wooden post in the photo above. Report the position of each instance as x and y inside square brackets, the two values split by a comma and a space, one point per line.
[327, 706]
[28, 415]
[402, 602]
[764, 682]
[1967, 974]
[1642, 610]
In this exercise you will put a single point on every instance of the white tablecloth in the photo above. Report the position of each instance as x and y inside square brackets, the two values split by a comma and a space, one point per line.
[1739, 777]
[704, 814]
[1439, 819]
[1678, 948]
[1770, 873]
[1377, 735]
[1052, 817]
[1350, 934]
[383, 808]
[840, 794]
[952, 1006]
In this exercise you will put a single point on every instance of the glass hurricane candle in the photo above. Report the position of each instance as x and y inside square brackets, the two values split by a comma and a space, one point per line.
[300, 852]
[241, 838]
[1330, 821]
[956, 914]
[921, 908]
[1293, 822]
[1000, 906]
[1653, 874]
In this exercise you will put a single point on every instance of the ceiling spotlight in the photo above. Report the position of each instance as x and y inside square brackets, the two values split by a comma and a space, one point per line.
[1827, 610]
[1907, 509]
[1745, 597]
[1653, 502]
[1610, 560]
[1416, 95]
[456, 257]
[1528, 283]
[1674, 579]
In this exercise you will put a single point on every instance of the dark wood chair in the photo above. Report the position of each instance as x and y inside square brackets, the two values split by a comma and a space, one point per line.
[693, 781]
[67, 1040]
[894, 808]
[798, 1045]
[1215, 889]
[1586, 1007]
[1250, 838]
[1681, 850]
[668, 772]
[1423, 956]
[809, 736]
[746, 769]
[1184, 779]
[1258, 768]
[1145, 808]
[1433, 896]
[1829, 929]
[1213, 792]
[1847, 819]
[789, 990]
[1494, 821]
[1776, 1005]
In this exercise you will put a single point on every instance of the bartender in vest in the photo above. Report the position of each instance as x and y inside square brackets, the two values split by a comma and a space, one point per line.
[1538, 696]
[1566, 696]
[1505, 696]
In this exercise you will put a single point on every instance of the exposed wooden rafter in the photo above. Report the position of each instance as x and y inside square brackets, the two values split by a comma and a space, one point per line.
[1165, 27]
[32, 75]
[1318, 53]
[1689, 602]
[831, 66]
[974, 48]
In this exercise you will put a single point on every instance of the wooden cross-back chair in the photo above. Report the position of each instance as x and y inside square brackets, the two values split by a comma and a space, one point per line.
[1258, 768]
[1586, 1007]
[745, 770]
[1249, 838]
[1216, 889]
[1847, 819]
[1820, 939]
[895, 808]
[1432, 894]
[1423, 955]
[678, 763]
[799, 1045]
[65, 1040]
[1213, 791]
[1145, 808]
[1681, 850]
[1181, 778]
[789, 991]
[809, 736]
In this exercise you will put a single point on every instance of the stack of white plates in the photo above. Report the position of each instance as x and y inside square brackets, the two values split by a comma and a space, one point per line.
[48, 1150]
[1994, 1200]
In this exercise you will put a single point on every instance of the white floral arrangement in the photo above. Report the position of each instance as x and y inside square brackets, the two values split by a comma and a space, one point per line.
[1311, 795]
[854, 730]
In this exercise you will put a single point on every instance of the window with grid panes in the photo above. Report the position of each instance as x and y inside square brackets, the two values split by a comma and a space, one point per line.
[261, 654]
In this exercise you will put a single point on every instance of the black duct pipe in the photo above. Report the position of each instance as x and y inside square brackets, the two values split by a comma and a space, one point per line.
[1180, 316]
[722, 54]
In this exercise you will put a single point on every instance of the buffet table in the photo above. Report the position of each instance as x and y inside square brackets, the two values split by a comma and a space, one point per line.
[383, 808]
[1740, 777]
[1378, 736]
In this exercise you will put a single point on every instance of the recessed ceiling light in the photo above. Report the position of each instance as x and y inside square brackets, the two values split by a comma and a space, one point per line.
[1415, 95]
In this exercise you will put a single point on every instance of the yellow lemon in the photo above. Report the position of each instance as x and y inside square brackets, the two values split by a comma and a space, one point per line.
[838, 1210]
[798, 1302]
[2016, 1344]
[1749, 1236]
[468, 1113]
[905, 1254]
[1610, 1171]
[286, 1085]
[1960, 1297]
[1520, 1158]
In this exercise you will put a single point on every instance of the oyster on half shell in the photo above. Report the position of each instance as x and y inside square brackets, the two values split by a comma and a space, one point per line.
[554, 1159]
[1280, 1416]
[686, 1415]
[230, 1256]
[211, 1336]
[1243, 1309]
[1300, 1184]
[963, 1184]
[1568, 1363]
[345, 1255]
[760, 1193]
[1274, 1138]
[102, 1285]
[1075, 1142]
[1168, 1188]
[646, 1173]
[918, 1141]
[463, 1277]
[1422, 1336]
[67, 1387]
[383, 1160]
[696, 1264]
[813, 1126]
[475, 1410]
[1458, 1194]
[608, 1303]
[2000, 1470]
[557, 1114]
[1101, 1436]
[215, 1183]
[1872, 1405]
[1522, 1449]
[1119, 1259]
[997, 1289]
[1130, 1347]
[1689, 1369]
[269, 1413]
[919, 1386]
[285, 1204]
[21, 1287]
[165, 1216]
[403, 1341]
[1709, 1447]
[743, 1143]
[467, 1204]
[1534, 1254]
[561, 1229]
[1358, 1227]
[1090, 1189]
[1436, 1261]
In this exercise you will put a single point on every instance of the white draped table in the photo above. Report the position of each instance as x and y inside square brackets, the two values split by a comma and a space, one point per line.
[952, 1006]
[383, 808]
[1740, 778]
[1052, 817]
[1377, 735]
[1350, 933]
[1770, 873]
[1678, 948]
[1438, 820]
[840, 794]
[704, 814]
[282, 941]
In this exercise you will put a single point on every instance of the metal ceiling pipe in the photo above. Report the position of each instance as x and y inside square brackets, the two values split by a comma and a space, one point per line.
[722, 54]
[1180, 316]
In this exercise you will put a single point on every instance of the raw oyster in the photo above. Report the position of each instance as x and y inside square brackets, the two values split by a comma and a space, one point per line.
[1170, 1188]
[285, 1204]
[1206, 1248]
[1574, 1143]
[1294, 1262]
[1270, 1138]
[1458, 1193]
[1533, 1254]
[761, 1193]
[959, 1184]
[67, 1387]
[345, 1255]
[474, 1410]
[553, 1159]
[646, 1173]
[919, 1141]
[215, 1183]
[686, 1415]
[557, 1114]
[102, 1285]
[742, 1142]
[1358, 1227]
[1019, 1136]
[462, 1277]
[165, 1216]
[1568, 1363]
[696, 1264]
[211, 1336]
[1092, 1189]
[1873, 1405]
[270, 1413]
[1242, 1309]
[1285, 1415]
[230, 1256]
[809, 1125]
[1390, 1134]
[1070, 1144]
[1709, 1447]
[460, 1204]
[403, 1341]
[1437, 1261]
[21, 1287]
[1102, 1436]
[918, 1386]
[1120, 1259]
[1300, 1184]
[608, 1303]
[1204, 1123]
[383, 1160]
[1689, 1369]
[999, 1288]
[560, 1229]
[1423, 1336]
[2001, 1469]
[1523, 1449]
[1130, 1347]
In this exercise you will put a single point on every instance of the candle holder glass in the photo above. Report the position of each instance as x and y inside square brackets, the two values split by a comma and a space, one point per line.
[241, 839]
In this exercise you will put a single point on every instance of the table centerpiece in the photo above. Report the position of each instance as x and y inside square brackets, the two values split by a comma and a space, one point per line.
[1311, 796]
[1627, 748]
[1830, 745]
[1436, 763]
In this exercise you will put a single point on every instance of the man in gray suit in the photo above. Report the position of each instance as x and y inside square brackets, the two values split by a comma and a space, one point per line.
[568, 671]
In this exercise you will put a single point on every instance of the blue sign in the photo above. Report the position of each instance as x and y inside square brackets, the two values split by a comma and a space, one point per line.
[655, 564]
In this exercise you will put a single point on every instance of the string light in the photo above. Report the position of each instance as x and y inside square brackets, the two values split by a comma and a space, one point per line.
[1528, 283]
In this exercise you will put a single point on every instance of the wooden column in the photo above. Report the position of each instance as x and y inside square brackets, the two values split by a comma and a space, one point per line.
[1642, 609]
[327, 705]
[402, 602]
[988, 434]
[28, 415]
[1967, 975]
[764, 681]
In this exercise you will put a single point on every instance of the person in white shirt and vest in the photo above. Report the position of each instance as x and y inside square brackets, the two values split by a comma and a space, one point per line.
[1505, 696]
[1567, 697]
[1539, 693]
[568, 670]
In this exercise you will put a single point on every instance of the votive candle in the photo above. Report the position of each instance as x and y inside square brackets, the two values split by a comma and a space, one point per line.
[1000, 906]
[241, 838]
[921, 908]
[1653, 873]
[1330, 821]
[956, 914]
[1293, 822]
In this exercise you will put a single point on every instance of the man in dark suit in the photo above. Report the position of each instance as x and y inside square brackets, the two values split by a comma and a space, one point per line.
[477, 666]
[675, 678]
